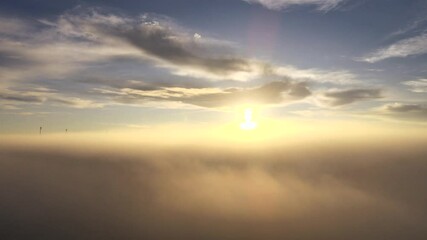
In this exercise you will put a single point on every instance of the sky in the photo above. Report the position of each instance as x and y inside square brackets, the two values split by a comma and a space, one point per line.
[99, 66]
[213, 119]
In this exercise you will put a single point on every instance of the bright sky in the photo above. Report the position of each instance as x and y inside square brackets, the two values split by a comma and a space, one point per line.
[102, 66]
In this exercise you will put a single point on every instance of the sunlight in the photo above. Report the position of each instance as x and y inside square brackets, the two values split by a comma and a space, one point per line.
[248, 124]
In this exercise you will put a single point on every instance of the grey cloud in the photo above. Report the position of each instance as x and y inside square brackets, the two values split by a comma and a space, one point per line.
[120, 84]
[175, 48]
[22, 96]
[160, 40]
[418, 86]
[339, 97]
[79, 38]
[12, 59]
[164, 44]
[331, 191]
[14, 26]
[76, 102]
[409, 111]
[270, 93]
[66, 48]
[322, 5]
[405, 107]
[44, 95]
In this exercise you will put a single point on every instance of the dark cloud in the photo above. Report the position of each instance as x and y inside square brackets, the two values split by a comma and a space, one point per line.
[402, 108]
[21, 97]
[164, 44]
[44, 95]
[162, 40]
[342, 97]
[405, 110]
[330, 191]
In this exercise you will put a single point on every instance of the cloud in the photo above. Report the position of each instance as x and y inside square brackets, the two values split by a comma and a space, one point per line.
[338, 97]
[162, 41]
[322, 5]
[131, 84]
[415, 26]
[89, 36]
[418, 86]
[270, 93]
[23, 98]
[14, 26]
[75, 102]
[414, 111]
[340, 77]
[403, 48]
[51, 56]
[93, 45]
[12, 98]
[331, 191]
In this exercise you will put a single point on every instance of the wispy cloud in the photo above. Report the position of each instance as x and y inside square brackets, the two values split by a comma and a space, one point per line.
[162, 41]
[415, 26]
[340, 77]
[69, 47]
[14, 98]
[403, 48]
[75, 102]
[418, 86]
[322, 5]
[270, 93]
[77, 39]
[23, 98]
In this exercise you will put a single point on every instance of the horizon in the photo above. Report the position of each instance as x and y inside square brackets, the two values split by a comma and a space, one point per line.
[93, 67]
[213, 119]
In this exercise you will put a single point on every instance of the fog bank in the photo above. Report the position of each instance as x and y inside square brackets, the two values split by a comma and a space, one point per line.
[333, 190]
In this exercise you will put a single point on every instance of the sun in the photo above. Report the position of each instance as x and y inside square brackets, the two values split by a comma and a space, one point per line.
[248, 124]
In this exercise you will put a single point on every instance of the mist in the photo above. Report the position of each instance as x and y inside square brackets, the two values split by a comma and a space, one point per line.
[332, 190]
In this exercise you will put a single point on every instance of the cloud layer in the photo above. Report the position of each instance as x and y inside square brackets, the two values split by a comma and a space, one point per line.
[270, 93]
[330, 191]
[63, 54]
[92, 58]
[161, 40]
[322, 5]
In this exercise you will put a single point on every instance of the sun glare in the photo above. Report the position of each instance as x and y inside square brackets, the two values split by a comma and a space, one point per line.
[248, 124]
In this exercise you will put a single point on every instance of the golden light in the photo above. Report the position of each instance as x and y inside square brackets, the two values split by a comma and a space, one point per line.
[248, 124]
